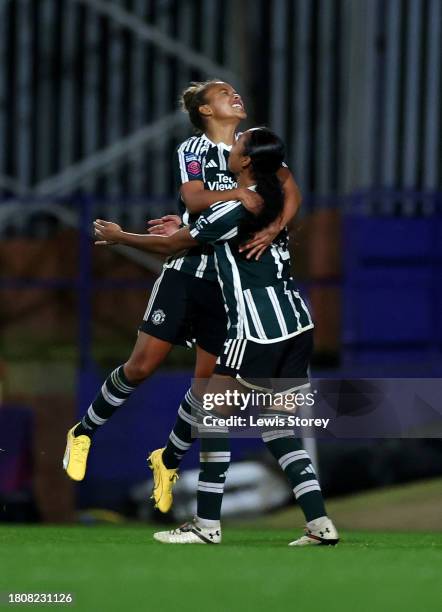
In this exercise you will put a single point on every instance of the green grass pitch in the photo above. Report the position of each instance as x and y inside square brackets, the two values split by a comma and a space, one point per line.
[122, 568]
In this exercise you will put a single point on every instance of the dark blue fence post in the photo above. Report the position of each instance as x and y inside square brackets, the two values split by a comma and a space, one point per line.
[85, 284]
[88, 377]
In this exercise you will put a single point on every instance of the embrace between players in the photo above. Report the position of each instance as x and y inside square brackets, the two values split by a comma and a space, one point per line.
[226, 284]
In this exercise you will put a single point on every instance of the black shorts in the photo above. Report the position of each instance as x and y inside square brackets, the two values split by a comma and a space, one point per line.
[183, 309]
[281, 366]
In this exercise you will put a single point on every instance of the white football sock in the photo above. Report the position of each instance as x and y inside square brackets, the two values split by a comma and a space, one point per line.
[207, 523]
[316, 522]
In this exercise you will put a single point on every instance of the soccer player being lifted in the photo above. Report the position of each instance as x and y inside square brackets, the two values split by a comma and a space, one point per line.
[186, 301]
[269, 334]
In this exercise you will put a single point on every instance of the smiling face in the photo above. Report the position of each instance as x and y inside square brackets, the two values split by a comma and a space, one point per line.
[223, 102]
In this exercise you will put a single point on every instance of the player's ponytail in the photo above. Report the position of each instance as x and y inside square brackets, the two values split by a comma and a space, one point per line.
[192, 98]
[266, 152]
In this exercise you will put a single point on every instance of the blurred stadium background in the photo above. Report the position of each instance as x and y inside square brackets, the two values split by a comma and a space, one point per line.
[88, 126]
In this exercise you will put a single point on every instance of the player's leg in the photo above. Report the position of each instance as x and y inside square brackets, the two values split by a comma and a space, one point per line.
[165, 462]
[146, 357]
[205, 528]
[208, 321]
[287, 449]
[214, 460]
[298, 468]
[180, 439]
[214, 464]
[162, 327]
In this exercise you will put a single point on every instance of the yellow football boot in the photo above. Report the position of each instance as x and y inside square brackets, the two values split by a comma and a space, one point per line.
[75, 455]
[163, 480]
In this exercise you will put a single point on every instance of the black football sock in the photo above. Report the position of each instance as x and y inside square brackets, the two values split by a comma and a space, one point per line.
[180, 439]
[297, 466]
[214, 463]
[115, 390]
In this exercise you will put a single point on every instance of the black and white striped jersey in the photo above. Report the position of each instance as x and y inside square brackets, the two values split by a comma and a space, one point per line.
[199, 159]
[262, 301]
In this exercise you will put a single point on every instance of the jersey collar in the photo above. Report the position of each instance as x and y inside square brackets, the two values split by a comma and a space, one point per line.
[220, 145]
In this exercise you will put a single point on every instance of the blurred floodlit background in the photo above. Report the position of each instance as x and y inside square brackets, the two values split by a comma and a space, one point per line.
[88, 126]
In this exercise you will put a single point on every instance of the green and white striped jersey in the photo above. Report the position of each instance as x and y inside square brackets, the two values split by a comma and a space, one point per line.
[199, 159]
[261, 299]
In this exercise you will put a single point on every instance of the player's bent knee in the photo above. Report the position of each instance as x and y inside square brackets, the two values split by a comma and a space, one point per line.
[139, 370]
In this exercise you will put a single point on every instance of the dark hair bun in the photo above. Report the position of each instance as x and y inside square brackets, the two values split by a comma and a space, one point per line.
[192, 98]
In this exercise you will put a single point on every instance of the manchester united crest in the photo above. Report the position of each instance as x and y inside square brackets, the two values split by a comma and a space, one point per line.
[158, 317]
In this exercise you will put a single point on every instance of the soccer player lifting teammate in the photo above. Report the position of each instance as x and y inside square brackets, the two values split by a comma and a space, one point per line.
[186, 300]
[269, 333]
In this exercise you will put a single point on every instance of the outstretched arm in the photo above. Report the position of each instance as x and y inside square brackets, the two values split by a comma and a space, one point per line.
[108, 233]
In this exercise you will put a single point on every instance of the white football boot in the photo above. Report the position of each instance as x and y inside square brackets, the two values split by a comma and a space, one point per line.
[190, 533]
[321, 531]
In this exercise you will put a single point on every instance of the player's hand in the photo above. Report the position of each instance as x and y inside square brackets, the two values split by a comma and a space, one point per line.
[261, 241]
[165, 226]
[251, 200]
[106, 232]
